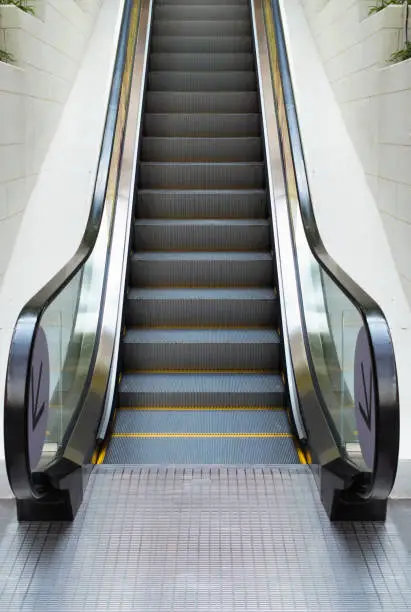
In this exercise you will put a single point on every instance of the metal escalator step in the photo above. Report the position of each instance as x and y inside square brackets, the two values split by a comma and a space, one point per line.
[156, 204]
[201, 269]
[202, 451]
[202, 234]
[201, 12]
[239, 80]
[228, 27]
[254, 390]
[201, 349]
[202, 125]
[155, 175]
[202, 102]
[202, 307]
[201, 62]
[201, 2]
[170, 149]
[202, 421]
[201, 44]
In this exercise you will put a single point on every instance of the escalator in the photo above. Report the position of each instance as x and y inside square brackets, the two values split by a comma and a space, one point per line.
[202, 321]
[201, 367]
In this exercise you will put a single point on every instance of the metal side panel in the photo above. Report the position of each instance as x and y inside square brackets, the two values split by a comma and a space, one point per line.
[211, 539]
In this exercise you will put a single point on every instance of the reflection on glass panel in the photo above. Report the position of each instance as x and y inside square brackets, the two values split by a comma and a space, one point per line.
[332, 321]
[71, 321]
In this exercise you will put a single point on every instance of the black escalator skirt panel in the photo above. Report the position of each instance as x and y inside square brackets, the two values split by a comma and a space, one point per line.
[201, 379]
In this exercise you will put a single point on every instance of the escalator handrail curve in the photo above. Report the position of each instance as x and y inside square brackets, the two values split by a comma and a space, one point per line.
[384, 371]
[28, 322]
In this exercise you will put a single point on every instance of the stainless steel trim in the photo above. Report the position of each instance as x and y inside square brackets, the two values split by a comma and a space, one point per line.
[112, 318]
[295, 358]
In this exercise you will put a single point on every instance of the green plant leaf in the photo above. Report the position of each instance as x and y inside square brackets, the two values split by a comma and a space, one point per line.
[401, 55]
[21, 4]
[6, 57]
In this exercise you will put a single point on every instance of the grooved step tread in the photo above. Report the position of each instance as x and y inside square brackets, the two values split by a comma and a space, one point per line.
[201, 44]
[199, 62]
[205, 204]
[240, 101]
[223, 80]
[205, 149]
[204, 421]
[202, 125]
[202, 451]
[201, 336]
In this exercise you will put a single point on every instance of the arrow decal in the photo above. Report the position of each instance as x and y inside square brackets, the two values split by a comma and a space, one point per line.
[366, 411]
[36, 410]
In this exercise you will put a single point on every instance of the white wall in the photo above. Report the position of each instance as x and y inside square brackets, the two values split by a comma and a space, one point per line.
[57, 210]
[344, 204]
[48, 49]
[374, 98]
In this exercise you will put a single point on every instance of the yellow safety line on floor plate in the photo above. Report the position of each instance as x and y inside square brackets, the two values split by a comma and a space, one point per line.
[194, 408]
[201, 435]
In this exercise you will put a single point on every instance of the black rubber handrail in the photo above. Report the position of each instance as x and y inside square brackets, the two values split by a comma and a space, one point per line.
[28, 322]
[378, 334]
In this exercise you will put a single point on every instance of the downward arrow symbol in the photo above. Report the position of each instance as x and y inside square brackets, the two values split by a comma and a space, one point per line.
[366, 410]
[36, 409]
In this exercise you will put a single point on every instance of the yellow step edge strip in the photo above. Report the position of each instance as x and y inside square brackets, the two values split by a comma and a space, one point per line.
[301, 455]
[201, 435]
[102, 453]
[207, 408]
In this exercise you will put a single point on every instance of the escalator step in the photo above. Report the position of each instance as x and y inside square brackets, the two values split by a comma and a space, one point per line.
[228, 27]
[202, 234]
[202, 451]
[155, 175]
[201, 12]
[201, 269]
[202, 125]
[202, 421]
[156, 204]
[202, 44]
[201, 349]
[201, 2]
[202, 102]
[166, 149]
[239, 80]
[193, 62]
[202, 307]
[252, 390]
